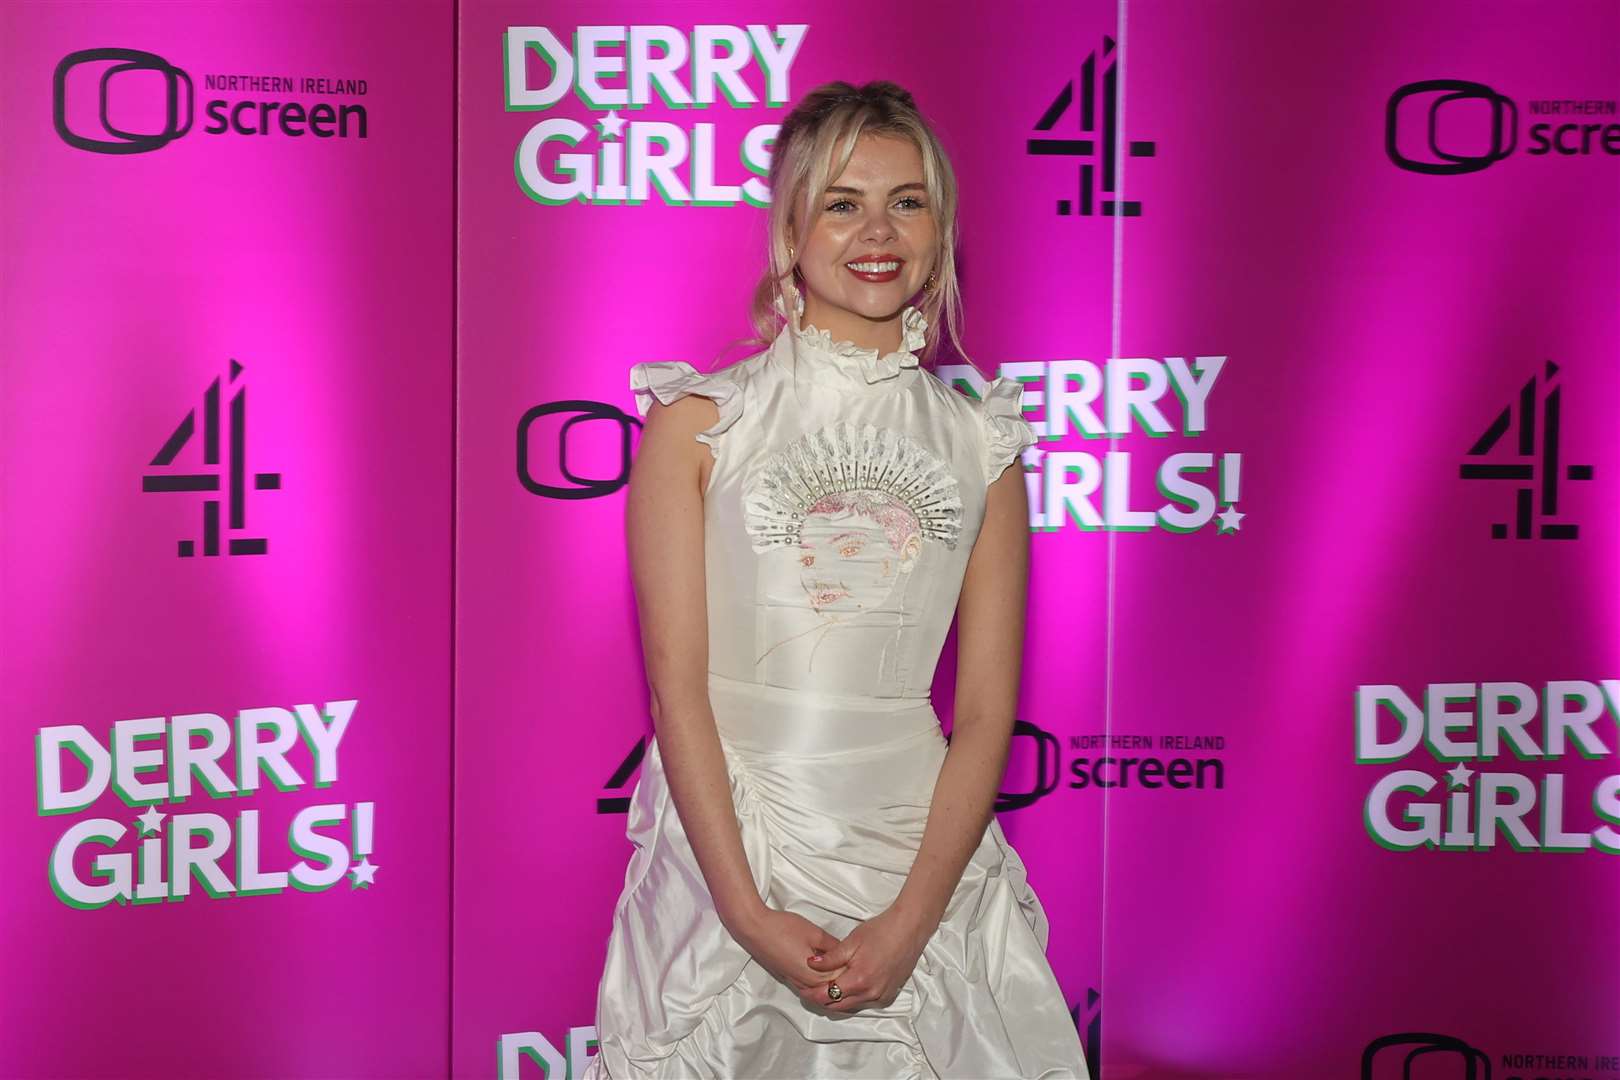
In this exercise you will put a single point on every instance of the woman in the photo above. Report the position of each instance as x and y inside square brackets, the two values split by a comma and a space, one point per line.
[819, 888]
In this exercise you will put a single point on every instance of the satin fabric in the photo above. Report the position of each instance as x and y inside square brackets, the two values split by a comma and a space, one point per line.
[831, 586]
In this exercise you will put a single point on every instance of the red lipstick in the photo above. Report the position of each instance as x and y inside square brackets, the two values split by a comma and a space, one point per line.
[891, 265]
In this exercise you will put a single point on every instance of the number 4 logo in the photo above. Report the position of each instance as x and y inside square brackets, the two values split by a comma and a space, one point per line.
[1088, 1020]
[1537, 465]
[232, 479]
[1078, 100]
[620, 804]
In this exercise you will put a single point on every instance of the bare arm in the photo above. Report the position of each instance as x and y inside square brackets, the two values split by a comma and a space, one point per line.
[990, 644]
[664, 531]
[880, 954]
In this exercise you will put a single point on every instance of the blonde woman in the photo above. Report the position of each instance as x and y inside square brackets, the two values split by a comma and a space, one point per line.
[818, 886]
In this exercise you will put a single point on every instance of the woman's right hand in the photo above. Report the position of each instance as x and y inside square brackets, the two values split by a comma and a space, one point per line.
[782, 943]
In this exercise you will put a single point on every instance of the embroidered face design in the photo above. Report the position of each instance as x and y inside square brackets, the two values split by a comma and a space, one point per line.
[855, 504]
[854, 547]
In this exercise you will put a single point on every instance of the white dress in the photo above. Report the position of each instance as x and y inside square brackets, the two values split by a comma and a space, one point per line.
[847, 491]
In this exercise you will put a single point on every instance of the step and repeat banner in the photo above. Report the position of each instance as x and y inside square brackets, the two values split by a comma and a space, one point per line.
[225, 467]
[612, 161]
[324, 727]
[1399, 226]
[1316, 317]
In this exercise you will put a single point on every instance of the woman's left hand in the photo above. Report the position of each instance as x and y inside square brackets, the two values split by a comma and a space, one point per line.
[879, 956]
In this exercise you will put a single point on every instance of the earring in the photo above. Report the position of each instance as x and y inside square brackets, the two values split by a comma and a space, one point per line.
[790, 252]
[929, 284]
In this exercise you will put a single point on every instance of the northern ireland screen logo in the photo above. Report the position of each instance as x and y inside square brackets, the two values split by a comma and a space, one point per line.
[109, 137]
[1107, 760]
[1398, 1057]
[130, 101]
[1429, 1055]
[1034, 757]
[576, 449]
[1448, 127]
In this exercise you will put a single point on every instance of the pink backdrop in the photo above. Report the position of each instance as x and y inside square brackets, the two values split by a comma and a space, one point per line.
[130, 282]
[1319, 335]
[1378, 320]
[1361, 296]
[557, 302]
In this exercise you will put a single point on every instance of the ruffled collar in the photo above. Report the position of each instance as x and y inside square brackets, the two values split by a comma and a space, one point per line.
[873, 366]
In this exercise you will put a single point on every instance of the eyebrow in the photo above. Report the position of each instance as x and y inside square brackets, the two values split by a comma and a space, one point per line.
[917, 184]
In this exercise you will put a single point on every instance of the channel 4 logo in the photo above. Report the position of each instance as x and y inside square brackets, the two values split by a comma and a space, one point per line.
[1530, 436]
[1087, 1018]
[1422, 1055]
[217, 481]
[1095, 136]
[112, 139]
[618, 789]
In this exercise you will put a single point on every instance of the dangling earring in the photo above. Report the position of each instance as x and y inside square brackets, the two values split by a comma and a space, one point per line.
[929, 284]
[790, 252]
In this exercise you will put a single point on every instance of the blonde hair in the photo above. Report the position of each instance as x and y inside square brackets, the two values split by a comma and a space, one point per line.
[811, 149]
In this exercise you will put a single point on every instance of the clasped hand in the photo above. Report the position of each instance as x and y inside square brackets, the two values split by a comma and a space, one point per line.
[870, 964]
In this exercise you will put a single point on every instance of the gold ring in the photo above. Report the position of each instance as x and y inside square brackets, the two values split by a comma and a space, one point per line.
[833, 992]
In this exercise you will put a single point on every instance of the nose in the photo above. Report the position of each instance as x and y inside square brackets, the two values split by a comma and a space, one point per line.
[879, 226]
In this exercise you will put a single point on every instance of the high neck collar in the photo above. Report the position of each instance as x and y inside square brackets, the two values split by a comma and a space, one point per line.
[846, 362]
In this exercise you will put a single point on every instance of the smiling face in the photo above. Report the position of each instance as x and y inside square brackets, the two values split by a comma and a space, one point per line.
[853, 547]
[872, 246]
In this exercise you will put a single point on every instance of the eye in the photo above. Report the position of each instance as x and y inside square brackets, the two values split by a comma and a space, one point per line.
[851, 548]
[807, 559]
[911, 202]
[841, 203]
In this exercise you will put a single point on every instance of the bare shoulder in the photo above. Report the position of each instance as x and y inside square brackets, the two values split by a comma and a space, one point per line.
[671, 458]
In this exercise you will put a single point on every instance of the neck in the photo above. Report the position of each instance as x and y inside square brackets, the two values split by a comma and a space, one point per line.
[884, 335]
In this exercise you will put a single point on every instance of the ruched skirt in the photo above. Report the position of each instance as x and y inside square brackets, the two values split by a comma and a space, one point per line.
[832, 794]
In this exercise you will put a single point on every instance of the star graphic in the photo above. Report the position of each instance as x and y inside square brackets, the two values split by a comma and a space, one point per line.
[151, 821]
[611, 126]
[1459, 775]
[1032, 457]
[363, 873]
[1230, 517]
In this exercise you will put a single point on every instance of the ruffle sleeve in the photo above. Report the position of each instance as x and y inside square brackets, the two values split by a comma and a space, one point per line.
[1006, 432]
[670, 380]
